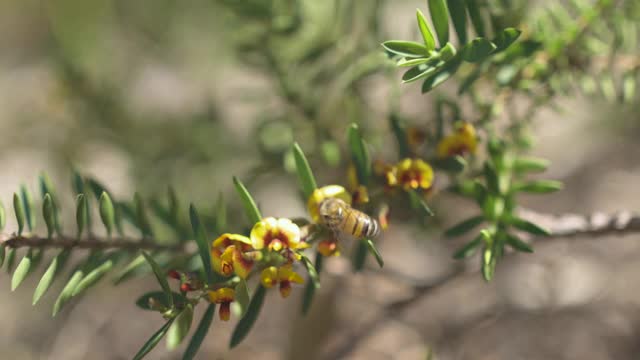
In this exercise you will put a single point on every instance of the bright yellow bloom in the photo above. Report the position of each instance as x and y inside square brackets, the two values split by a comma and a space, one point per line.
[224, 297]
[319, 195]
[283, 275]
[462, 141]
[276, 235]
[414, 174]
[228, 255]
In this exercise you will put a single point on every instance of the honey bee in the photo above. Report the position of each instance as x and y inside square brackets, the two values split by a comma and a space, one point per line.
[340, 217]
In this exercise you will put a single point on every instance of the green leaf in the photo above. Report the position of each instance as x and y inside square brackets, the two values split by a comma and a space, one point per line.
[477, 50]
[359, 154]
[447, 52]
[82, 211]
[401, 135]
[488, 264]
[419, 72]
[107, 212]
[442, 75]
[67, 291]
[417, 203]
[529, 227]
[518, 244]
[491, 178]
[305, 175]
[11, 258]
[253, 213]
[50, 274]
[202, 242]
[180, 328]
[468, 249]
[46, 187]
[200, 334]
[359, 256]
[22, 270]
[406, 48]
[141, 215]
[476, 17]
[2, 255]
[134, 267]
[3, 217]
[464, 226]
[506, 37]
[313, 274]
[459, 18]
[310, 289]
[372, 249]
[452, 164]
[48, 214]
[29, 208]
[160, 276]
[429, 41]
[246, 323]
[440, 18]
[93, 277]
[404, 62]
[242, 298]
[19, 211]
[153, 340]
[530, 164]
[161, 298]
[537, 186]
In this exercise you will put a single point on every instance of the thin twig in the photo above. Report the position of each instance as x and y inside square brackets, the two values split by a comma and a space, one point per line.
[16, 241]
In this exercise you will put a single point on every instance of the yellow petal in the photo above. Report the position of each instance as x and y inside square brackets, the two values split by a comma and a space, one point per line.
[258, 233]
[241, 266]
[240, 238]
[269, 276]
[221, 241]
[290, 230]
[216, 260]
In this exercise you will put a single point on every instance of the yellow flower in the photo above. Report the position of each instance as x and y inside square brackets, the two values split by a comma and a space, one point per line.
[276, 234]
[319, 195]
[283, 275]
[224, 297]
[462, 141]
[414, 174]
[228, 255]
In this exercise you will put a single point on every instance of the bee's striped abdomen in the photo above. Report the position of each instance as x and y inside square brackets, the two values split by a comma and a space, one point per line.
[340, 217]
[359, 224]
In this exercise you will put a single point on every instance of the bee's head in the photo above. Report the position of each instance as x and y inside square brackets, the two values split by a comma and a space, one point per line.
[332, 209]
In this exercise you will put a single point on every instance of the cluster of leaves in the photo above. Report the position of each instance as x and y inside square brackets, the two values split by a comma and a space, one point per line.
[495, 193]
[437, 64]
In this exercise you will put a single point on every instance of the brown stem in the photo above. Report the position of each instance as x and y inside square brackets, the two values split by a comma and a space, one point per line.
[16, 241]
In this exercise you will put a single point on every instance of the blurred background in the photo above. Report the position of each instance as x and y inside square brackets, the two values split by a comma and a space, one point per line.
[143, 94]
